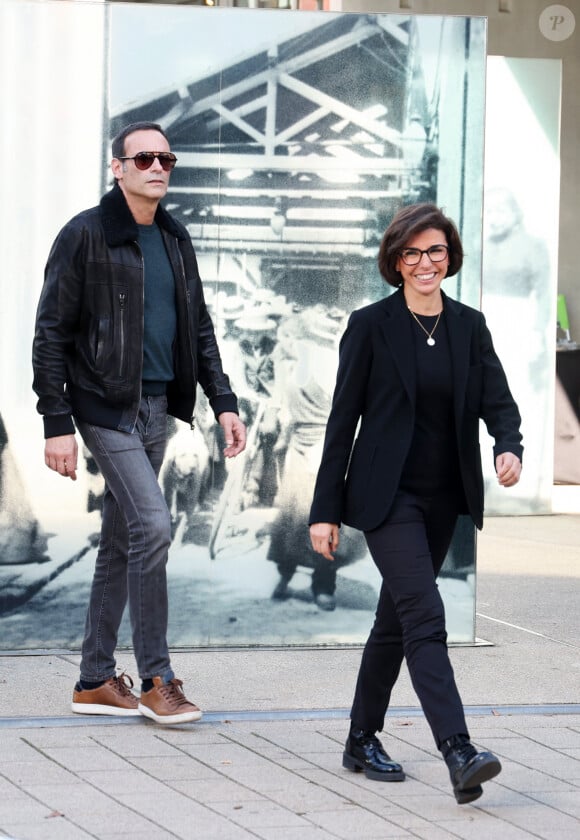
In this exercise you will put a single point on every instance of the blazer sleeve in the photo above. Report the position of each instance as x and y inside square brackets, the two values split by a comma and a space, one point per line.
[498, 408]
[355, 359]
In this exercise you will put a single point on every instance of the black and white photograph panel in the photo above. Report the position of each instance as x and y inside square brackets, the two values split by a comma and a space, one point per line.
[293, 154]
[520, 246]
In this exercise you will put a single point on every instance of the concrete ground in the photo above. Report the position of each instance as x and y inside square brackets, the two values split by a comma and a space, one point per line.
[265, 761]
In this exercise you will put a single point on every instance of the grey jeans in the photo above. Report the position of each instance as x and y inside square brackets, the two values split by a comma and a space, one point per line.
[132, 556]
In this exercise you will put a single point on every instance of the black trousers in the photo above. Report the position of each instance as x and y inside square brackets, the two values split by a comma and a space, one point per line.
[409, 549]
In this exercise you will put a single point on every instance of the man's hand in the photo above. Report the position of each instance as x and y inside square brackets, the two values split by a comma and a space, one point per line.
[324, 538]
[234, 433]
[508, 468]
[61, 454]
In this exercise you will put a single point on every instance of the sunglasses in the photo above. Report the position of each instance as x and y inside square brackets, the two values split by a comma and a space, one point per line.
[144, 160]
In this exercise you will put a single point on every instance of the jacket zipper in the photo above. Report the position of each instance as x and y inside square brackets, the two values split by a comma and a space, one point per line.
[134, 424]
[188, 306]
[122, 302]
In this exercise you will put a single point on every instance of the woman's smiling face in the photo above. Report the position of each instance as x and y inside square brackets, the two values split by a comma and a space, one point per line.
[424, 278]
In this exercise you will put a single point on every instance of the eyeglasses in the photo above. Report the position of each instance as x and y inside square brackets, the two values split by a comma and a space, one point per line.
[413, 256]
[144, 160]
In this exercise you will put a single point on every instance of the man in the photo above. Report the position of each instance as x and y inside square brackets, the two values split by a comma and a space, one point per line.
[122, 338]
[305, 361]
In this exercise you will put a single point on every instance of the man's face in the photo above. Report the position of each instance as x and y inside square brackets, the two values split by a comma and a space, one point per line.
[149, 183]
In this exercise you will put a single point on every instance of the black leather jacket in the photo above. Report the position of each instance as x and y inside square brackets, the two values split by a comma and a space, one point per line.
[88, 344]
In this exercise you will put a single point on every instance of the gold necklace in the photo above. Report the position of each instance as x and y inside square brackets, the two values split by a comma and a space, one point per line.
[430, 339]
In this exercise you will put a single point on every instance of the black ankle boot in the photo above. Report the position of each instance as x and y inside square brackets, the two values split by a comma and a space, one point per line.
[364, 752]
[468, 768]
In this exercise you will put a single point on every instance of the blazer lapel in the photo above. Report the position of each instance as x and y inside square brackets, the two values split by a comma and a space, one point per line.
[396, 328]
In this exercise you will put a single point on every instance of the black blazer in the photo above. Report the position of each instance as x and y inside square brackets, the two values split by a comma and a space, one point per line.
[376, 384]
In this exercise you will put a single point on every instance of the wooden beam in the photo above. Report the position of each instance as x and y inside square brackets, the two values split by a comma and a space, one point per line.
[342, 109]
[244, 126]
[316, 164]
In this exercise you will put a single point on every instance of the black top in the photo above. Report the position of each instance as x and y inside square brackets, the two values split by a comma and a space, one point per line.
[432, 464]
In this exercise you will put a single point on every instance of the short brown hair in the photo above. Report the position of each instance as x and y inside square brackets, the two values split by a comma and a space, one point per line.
[407, 223]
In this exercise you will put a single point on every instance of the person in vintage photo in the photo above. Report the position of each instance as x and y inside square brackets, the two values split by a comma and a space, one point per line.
[516, 291]
[418, 370]
[23, 544]
[123, 336]
[307, 362]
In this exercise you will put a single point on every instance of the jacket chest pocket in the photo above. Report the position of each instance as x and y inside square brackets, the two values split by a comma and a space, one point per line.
[108, 314]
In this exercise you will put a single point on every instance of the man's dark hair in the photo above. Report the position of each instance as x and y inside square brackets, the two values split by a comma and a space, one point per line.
[118, 144]
[407, 223]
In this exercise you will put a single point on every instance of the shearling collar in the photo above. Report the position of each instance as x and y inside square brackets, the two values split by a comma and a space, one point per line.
[119, 224]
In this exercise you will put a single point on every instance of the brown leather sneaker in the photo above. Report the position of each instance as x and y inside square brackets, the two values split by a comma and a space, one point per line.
[114, 697]
[166, 703]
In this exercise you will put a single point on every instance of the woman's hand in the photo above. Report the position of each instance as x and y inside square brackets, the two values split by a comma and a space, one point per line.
[508, 468]
[324, 538]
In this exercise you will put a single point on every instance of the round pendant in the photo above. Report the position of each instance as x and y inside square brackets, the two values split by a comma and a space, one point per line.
[431, 341]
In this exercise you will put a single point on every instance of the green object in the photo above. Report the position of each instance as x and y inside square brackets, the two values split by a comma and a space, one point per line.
[562, 314]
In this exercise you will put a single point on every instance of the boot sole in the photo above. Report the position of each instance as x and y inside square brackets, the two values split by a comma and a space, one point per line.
[350, 763]
[169, 720]
[483, 768]
[464, 797]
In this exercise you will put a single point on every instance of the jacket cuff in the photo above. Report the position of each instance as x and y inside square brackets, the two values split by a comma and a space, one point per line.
[56, 425]
[225, 402]
[515, 449]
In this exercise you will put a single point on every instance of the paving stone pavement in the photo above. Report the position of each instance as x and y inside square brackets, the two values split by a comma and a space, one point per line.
[279, 777]
[269, 764]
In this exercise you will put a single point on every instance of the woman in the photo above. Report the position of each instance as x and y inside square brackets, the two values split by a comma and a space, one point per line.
[418, 370]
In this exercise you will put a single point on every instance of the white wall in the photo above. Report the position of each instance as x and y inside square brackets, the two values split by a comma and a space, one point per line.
[51, 99]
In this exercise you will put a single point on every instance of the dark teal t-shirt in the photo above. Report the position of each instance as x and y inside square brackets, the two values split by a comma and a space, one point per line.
[159, 312]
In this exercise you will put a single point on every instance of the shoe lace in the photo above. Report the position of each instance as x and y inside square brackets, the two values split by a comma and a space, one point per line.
[461, 747]
[466, 751]
[124, 684]
[371, 738]
[173, 692]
